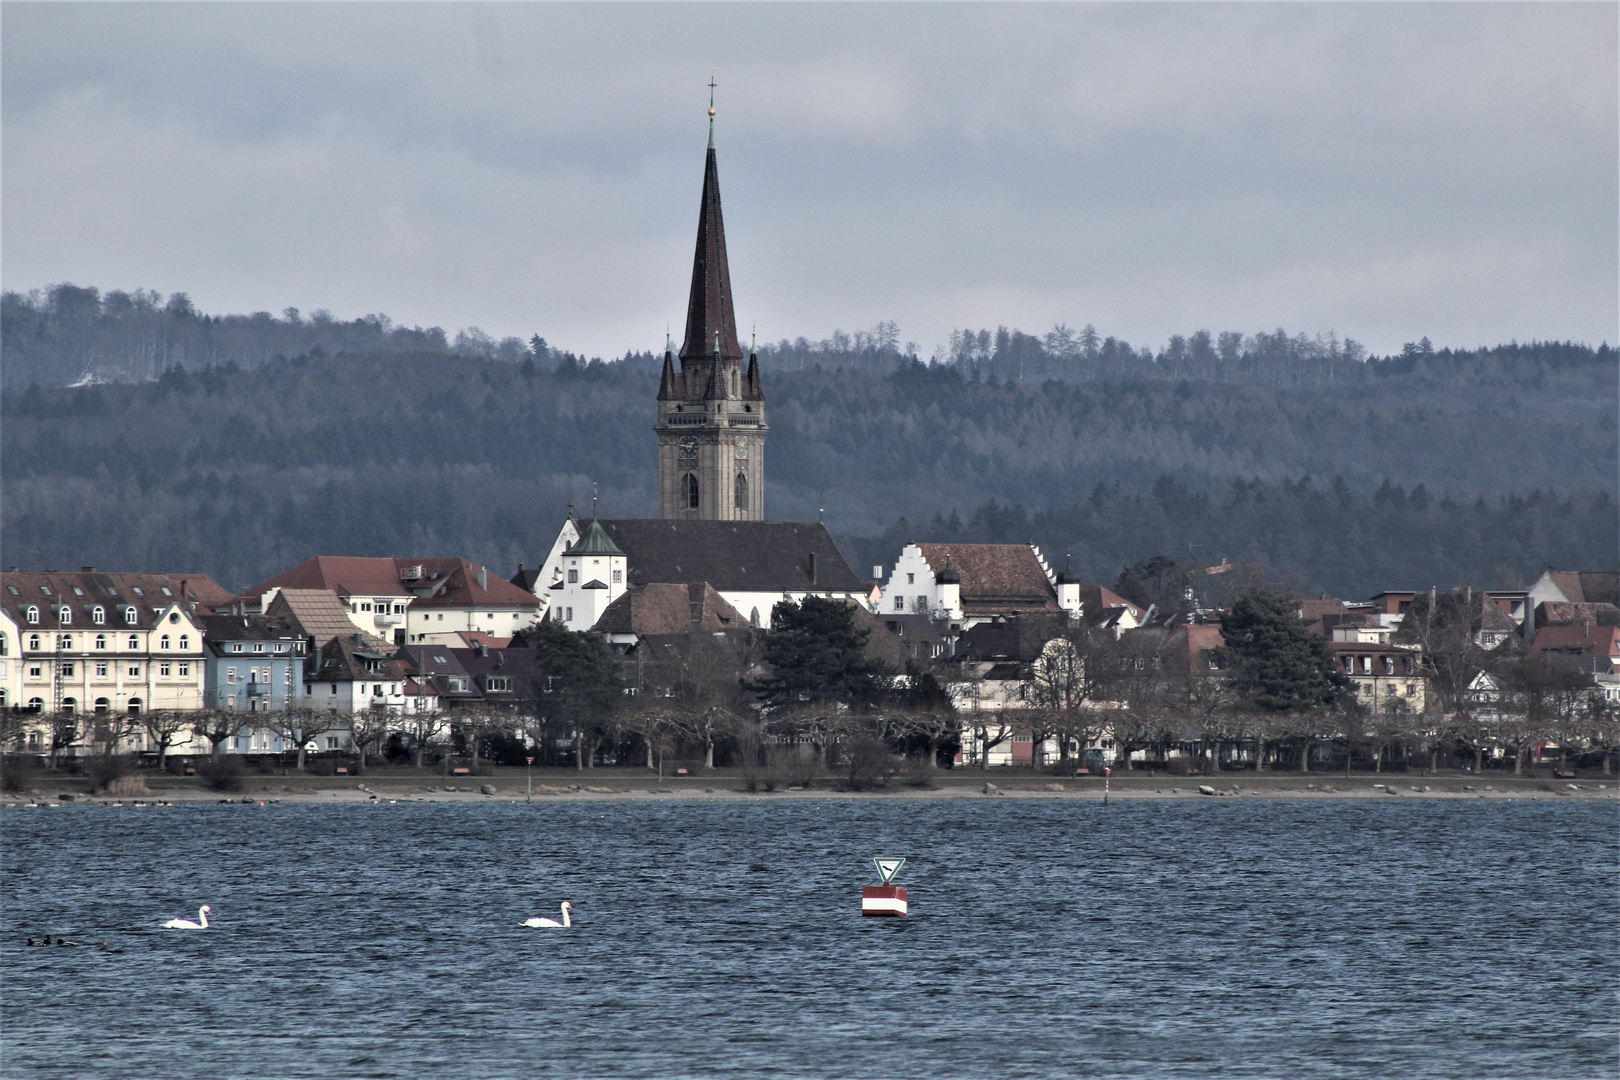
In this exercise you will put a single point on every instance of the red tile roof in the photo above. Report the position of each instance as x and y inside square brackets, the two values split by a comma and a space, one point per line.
[996, 577]
[666, 608]
[441, 582]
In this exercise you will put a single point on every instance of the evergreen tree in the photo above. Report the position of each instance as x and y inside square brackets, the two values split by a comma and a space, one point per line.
[817, 654]
[1276, 661]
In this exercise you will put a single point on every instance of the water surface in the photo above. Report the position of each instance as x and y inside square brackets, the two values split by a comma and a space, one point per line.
[1046, 939]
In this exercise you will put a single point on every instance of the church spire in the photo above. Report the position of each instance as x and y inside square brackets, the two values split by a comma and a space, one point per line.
[708, 308]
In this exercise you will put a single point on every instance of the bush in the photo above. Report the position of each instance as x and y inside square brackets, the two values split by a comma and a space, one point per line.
[126, 786]
[16, 774]
[106, 769]
[222, 773]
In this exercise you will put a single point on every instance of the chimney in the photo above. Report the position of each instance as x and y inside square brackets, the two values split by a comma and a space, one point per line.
[82, 569]
[812, 568]
[483, 578]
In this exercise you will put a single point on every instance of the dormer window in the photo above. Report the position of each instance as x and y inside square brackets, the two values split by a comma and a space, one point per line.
[64, 614]
[31, 613]
[131, 616]
[98, 615]
[236, 647]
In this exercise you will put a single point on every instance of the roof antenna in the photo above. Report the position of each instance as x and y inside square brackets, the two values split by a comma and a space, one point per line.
[711, 108]
[593, 500]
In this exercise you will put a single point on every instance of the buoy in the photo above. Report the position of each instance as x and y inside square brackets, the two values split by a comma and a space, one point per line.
[885, 900]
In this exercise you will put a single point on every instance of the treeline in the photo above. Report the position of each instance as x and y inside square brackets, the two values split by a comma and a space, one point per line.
[1307, 536]
[242, 473]
[67, 334]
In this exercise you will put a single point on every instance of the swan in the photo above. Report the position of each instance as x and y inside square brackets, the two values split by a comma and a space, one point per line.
[187, 924]
[566, 921]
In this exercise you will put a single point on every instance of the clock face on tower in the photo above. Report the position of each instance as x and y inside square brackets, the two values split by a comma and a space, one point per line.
[741, 443]
[688, 446]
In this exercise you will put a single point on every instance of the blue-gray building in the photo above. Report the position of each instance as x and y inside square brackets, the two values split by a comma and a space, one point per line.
[253, 663]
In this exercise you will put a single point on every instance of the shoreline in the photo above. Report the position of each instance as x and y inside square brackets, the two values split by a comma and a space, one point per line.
[722, 787]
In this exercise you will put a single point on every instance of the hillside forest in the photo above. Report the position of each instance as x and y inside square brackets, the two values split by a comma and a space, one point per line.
[240, 445]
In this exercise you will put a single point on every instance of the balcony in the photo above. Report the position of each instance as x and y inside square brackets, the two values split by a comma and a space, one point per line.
[261, 689]
[386, 618]
[739, 419]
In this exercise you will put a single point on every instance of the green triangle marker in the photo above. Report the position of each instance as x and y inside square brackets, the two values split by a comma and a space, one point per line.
[887, 868]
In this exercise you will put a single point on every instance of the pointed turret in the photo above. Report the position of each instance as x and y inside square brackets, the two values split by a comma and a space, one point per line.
[708, 308]
[670, 385]
[716, 389]
[753, 389]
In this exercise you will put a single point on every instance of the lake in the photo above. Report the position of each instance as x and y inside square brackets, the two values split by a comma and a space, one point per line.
[1046, 939]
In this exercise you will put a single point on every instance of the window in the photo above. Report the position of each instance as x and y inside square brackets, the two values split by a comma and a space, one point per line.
[365, 607]
[230, 676]
[691, 485]
[281, 646]
[331, 742]
[911, 579]
[573, 576]
[236, 646]
[101, 669]
[921, 605]
[1389, 665]
[399, 609]
[456, 684]
[289, 675]
[36, 704]
[33, 643]
[4, 647]
[618, 579]
[134, 642]
[70, 705]
[174, 616]
[185, 641]
[130, 615]
[36, 671]
[101, 641]
[557, 616]
[67, 671]
[166, 591]
[46, 589]
[77, 591]
[31, 613]
[163, 642]
[165, 669]
[497, 685]
[134, 706]
[740, 497]
[98, 615]
[899, 603]
[64, 641]
[570, 614]
[102, 706]
[134, 671]
[64, 614]
[185, 669]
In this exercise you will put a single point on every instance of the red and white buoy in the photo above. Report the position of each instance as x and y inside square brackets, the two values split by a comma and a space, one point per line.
[885, 900]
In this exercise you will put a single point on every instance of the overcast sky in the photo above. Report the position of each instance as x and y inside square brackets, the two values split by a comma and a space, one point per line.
[1386, 171]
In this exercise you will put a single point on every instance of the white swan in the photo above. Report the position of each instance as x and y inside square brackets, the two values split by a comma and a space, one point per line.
[187, 924]
[566, 921]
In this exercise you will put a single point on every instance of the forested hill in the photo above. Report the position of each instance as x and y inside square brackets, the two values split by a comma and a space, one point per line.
[242, 473]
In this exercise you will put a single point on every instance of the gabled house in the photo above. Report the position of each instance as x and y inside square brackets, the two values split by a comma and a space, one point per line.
[356, 672]
[969, 584]
[1592, 647]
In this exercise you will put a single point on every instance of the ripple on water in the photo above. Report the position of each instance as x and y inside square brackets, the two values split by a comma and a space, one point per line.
[1046, 939]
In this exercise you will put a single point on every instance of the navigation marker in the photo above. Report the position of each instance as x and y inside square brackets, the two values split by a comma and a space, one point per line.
[886, 899]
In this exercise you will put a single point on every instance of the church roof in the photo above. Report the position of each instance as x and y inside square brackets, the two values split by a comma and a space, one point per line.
[708, 308]
[593, 541]
[734, 556]
[996, 577]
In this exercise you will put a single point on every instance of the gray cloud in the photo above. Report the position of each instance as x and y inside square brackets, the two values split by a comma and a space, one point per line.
[1386, 171]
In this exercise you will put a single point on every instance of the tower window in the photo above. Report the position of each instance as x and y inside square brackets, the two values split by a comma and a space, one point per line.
[691, 486]
[742, 491]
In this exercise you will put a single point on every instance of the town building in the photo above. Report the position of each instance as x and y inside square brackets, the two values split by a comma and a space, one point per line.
[409, 600]
[253, 663]
[93, 642]
[968, 584]
[355, 672]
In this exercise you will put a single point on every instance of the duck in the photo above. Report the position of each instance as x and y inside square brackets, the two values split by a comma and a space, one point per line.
[186, 924]
[566, 921]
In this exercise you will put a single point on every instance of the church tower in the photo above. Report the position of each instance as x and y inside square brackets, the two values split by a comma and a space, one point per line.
[711, 413]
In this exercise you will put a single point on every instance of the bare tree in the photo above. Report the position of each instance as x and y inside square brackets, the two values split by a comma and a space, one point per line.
[368, 728]
[163, 727]
[421, 728]
[217, 725]
[66, 731]
[299, 727]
